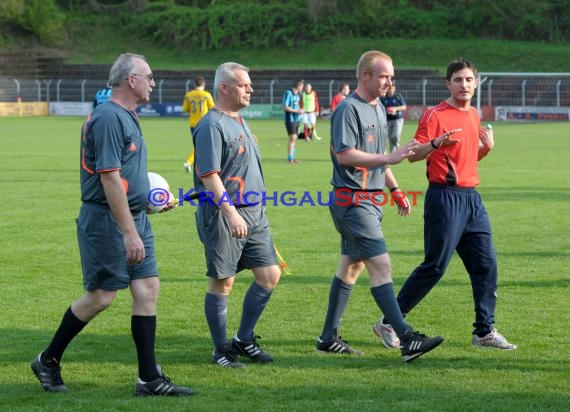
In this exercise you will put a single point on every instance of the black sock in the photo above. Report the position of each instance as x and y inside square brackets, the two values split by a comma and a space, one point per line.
[143, 329]
[254, 303]
[69, 328]
[216, 311]
[338, 299]
[386, 301]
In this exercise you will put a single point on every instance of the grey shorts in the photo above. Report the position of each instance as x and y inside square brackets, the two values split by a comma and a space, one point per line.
[102, 250]
[360, 227]
[395, 128]
[226, 255]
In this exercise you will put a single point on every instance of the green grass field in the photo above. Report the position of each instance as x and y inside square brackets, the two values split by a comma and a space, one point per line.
[525, 185]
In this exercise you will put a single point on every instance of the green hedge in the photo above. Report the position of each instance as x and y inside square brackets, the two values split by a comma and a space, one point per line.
[211, 25]
[244, 24]
[39, 18]
[222, 26]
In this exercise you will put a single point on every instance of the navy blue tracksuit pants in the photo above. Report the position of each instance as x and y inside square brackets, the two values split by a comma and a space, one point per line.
[455, 219]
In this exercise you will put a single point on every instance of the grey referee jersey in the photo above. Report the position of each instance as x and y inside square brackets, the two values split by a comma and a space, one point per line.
[356, 124]
[226, 145]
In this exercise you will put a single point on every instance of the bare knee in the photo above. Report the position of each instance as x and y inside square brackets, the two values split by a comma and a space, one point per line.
[355, 269]
[267, 277]
[92, 303]
[380, 270]
[145, 291]
[349, 272]
[221, 286]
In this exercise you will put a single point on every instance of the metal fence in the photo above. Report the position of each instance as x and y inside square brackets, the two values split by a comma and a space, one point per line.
[496, 89]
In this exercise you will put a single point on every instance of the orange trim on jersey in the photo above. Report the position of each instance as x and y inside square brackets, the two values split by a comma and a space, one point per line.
[108, 170]
[209, 173]
[83, 164]
[84, 134]
[240, 181]
[364, 172]
[125, 183]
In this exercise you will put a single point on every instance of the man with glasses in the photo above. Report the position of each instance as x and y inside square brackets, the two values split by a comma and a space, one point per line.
[115, 238]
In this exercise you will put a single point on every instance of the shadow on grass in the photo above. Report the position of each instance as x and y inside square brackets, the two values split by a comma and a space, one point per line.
[299, 379]
[23, 345]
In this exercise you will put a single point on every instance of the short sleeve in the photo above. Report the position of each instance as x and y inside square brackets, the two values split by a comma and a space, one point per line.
[109, 141]
[344, 128]
[208, 148]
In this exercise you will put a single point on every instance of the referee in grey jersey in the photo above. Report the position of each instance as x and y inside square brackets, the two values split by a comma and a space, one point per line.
[235, 233]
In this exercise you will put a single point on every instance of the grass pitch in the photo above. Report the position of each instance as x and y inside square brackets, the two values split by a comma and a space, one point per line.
[525, 186]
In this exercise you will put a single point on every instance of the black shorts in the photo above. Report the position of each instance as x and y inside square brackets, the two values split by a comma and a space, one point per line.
[292, 127]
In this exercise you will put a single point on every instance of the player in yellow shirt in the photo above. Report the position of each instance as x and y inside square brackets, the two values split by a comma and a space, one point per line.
[196, 103]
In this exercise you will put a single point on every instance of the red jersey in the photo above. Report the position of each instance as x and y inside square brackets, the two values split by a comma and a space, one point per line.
[454, 165]
[337, 98]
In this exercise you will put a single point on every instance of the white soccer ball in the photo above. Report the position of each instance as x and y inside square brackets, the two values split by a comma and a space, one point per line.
[159, 194]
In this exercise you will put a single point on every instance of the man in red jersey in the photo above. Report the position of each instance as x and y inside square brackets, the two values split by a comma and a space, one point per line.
[343, 91]
[454, 215]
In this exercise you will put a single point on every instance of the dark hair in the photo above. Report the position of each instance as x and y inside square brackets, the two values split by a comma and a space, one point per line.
[199, 81]
[459, 64]
[298, 83]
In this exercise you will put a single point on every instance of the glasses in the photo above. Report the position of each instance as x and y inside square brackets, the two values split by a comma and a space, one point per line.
[149, 76]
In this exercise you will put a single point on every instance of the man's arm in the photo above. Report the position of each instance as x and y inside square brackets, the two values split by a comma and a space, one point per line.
[486, 141]
[117, 199]
[213, 183]
[359, 158]
[185, 104]
[425, 149]
[396, 195]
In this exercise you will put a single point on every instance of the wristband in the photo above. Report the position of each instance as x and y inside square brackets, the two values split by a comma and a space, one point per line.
[393, 189]
[433, 144]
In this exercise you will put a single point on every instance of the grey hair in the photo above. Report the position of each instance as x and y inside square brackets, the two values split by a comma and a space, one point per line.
[122, 67]
[225, 73]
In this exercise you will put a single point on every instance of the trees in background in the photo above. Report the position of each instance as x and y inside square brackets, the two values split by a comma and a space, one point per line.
[217, 24]
[41, 19]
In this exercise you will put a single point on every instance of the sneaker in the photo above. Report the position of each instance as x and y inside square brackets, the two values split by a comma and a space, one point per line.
[161, 386]
[414, 344]
[251, 350]
[337, 345]
[226, 357]
[386, 333]
[293, 161]
[188, 167]
[492, 340]
[49, 376]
